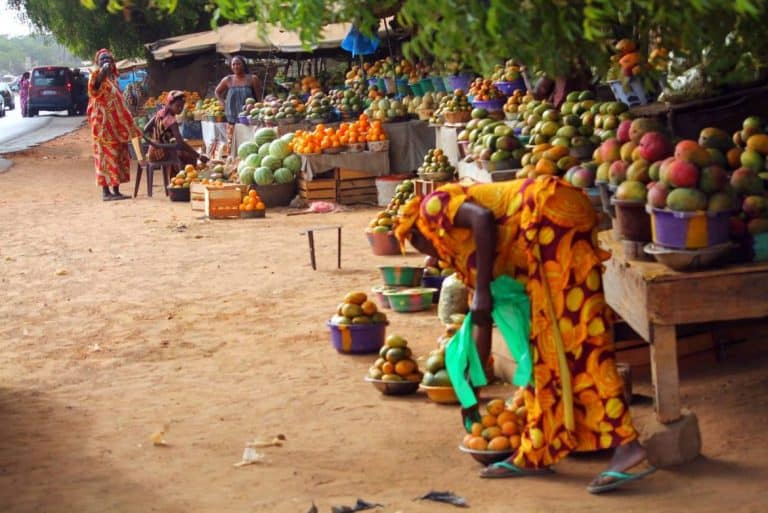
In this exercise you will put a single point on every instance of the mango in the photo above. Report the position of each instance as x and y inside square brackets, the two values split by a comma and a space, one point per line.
[686, 199]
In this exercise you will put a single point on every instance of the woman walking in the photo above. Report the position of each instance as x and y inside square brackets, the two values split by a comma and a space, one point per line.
[24, 93]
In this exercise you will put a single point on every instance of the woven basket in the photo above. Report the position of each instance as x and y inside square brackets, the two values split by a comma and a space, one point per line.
[457, 117]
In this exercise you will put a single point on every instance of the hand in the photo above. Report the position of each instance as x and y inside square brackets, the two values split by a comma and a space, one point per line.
[203, 158]
[106, 68]
[482, 306]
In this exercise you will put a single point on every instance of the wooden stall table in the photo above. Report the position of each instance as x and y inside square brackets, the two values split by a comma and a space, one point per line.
[653, 299]
[352, 176]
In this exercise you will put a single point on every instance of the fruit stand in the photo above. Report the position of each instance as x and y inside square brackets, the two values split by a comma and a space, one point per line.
[653, 300]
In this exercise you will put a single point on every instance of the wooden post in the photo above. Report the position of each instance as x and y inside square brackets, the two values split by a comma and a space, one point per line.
[666, 382]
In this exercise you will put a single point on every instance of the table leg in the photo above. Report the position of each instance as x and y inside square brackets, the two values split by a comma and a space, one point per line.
[311, 237]
[338, 250]
[666, 382]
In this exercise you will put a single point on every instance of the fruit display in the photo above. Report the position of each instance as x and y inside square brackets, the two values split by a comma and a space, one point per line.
[274, 110]
[482, 89]
[349, 102]
[627, 58]
[217, 174]
[514, 103]
[319, 108]
[211, 107]
[268, 159]
[499, 427]
[252, 202]
[492, 141]
[309, 84]
[435, 374]
[385, 110]
[434, 267]
[395, 362]
[437, 167]
[184, 178]
[383, 221]
[358, 309]
[452, 104]
[507, 73]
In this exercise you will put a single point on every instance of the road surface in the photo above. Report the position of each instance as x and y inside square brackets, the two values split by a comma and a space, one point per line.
[17, 133]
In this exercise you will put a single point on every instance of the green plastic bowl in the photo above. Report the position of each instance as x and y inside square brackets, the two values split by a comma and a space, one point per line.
[415, 299]
[402, 275]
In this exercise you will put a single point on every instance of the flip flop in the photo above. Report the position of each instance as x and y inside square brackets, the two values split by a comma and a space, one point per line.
[619, 479]
[512, 471]
[118, 197]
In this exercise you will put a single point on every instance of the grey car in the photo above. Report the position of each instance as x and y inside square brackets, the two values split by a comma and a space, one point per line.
[7, 95]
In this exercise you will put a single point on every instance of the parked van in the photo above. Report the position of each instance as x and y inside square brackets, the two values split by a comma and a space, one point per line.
[50, 88]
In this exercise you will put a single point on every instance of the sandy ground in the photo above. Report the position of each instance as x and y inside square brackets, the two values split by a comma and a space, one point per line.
[117, 318]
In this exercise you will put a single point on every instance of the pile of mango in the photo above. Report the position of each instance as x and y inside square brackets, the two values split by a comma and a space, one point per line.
[395, 362]
[384, 220]
[500, 427]
[436, 375]
[358, 309]
[507, 73]
[185, 177]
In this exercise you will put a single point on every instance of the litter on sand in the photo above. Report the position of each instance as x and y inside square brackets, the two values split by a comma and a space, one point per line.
[359, 506]
[158, 437]
[448, 497]
[260, 443]
[251, 455]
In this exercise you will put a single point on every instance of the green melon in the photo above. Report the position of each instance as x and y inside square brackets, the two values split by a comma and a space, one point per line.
[279, 149]
[263, 176]
[292, 162]
[283, 175]
[264, 135]
[246, 149]
[253, 160]
[271, 162]
[246, 175]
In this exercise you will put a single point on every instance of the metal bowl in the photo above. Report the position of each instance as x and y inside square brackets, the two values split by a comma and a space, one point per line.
[394, 387]
[487, 457]
[688, 259]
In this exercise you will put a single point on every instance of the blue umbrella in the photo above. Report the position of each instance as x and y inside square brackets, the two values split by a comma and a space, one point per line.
[358, 44]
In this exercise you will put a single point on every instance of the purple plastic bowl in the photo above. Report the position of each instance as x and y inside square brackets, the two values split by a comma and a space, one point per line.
[508, 88]
[460, 82]
[362, 339]
[689, 230]
[491, 105]
[435, 282]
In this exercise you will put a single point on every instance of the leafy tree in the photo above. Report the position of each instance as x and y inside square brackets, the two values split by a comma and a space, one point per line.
[85, 29]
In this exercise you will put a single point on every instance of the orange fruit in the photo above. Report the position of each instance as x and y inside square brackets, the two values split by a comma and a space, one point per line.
[506, 416]
[388, 368]
[495, 406]
[476, 428]
[499, 443]
[491, 432]
[509, 428]
[405, 367]
[514, 441]
[252, 193]
[368, 307]
[478, 443]
[259, 206]
[488, 420]
[465, 441]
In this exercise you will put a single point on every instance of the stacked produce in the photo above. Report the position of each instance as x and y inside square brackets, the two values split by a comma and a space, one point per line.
[358, 309]
[507, 73]
[274, 110]
[437, 167]
[319, 108]
[184, 178]
[382, 223]
[436, 375]
[268, 159]
[309, 84]
[212, 107]
[627, 59]
[482, 89]
[252, 202]
[349, 102]
[454, 103]
[217, 174]
[514, 103]
[395, 361]
[500, 427]
[386, 110]
[492, 141]
[315, 141]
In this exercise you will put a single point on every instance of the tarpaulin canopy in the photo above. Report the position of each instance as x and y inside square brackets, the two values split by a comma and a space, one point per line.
[129, 64]
[247, 37]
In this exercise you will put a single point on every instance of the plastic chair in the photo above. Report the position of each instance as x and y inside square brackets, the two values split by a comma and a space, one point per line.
[138, 152]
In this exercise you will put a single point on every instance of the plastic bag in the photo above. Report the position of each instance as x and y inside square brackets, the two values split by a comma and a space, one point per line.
[454, 299]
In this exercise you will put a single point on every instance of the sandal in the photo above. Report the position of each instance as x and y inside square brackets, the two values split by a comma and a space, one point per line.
[511, 470]
[618, 479]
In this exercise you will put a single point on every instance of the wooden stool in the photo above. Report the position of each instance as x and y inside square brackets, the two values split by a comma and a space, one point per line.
[311, 236]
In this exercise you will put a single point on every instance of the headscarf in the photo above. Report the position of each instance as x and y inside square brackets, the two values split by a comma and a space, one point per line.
[174, 95]
[104, 51]
[406, 218]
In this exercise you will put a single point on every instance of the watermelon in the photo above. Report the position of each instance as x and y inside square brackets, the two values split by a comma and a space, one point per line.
[253, 160]
[246, 149]
[271, 162]
[292, 162]
[264, 150]
[279, 149]
[263, 176]
[246, 175]
[264, 135]
[287, 137]
[283, 175]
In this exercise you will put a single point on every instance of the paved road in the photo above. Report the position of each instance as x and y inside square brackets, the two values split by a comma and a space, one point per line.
[17, 133]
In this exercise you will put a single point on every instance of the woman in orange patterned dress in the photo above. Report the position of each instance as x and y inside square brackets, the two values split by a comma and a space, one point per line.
[112, 127]
[528, 229]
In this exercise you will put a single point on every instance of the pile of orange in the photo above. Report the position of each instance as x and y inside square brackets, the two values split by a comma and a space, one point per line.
[484, 90]
[321, 138]
[252, 201]
[309, 83]
[500, 427]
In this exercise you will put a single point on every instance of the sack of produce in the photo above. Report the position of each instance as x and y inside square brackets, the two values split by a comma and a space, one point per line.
[454, 299]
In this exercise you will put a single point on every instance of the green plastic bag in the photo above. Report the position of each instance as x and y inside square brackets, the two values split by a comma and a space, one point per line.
[512, 314]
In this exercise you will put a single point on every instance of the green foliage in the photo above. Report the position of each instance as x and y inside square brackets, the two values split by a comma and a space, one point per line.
[39, 49]
[85, 30]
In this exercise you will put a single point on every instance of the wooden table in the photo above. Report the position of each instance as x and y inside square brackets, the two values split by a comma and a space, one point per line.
[653, 299]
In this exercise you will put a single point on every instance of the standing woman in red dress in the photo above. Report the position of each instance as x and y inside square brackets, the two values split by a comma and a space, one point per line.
[112, 127]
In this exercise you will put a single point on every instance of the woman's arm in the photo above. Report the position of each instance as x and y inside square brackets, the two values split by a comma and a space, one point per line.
[221, 90]
[483, 225]
[257, 88]
[150, 124]
[182, 144]
[105, 69]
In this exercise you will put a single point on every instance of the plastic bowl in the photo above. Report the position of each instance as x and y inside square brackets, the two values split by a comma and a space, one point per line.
[435, 282]
[379, 293]
[402, 275]
[689, 230]
[394, 387]
[357, 338]
[383, 243]
[688, 259]
[487, 457]
[490, 105]
[507, 88]
[414, 299]
[178, 193]
[442, 395]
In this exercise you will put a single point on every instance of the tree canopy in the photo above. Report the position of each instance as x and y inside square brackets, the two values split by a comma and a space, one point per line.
[20, 53]
[85, 30]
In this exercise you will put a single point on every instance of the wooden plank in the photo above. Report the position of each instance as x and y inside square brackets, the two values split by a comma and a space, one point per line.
[359, 190]
[626, 292]
[324, 183]
[319, 195]
[354, 184]
[664, 372]
[343, 173]
[357, 199]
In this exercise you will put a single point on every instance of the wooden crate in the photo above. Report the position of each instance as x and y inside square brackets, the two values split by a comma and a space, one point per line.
[360, 190]
[197, 194]
[223, 202]
[318, 189]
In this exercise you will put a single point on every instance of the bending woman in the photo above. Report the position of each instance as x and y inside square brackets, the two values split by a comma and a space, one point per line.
[164, 129]
[529, 229]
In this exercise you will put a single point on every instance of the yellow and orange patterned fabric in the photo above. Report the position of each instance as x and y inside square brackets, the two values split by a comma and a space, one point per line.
[550, 218]
[112, 128]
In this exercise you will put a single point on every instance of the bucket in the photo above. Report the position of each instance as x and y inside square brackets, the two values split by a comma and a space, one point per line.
[435, 282]
[383, 244]
[460, 82]
[357, 338]
[438, 83]
[402, 87]
[426, 85]
[416, 89]
[689, 230]
[632, 221]
[605, 198]
[385, 188]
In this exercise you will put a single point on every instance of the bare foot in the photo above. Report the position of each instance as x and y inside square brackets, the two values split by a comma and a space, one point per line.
[624, 458]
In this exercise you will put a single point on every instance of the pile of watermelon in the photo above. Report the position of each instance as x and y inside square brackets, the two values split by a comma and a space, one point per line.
[267, 159]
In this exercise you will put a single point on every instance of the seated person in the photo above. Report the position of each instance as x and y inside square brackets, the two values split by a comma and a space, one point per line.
[164, 129]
